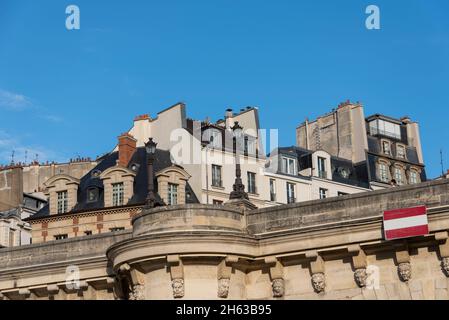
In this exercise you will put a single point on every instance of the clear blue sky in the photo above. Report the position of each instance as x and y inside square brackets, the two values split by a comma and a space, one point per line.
[67, 93]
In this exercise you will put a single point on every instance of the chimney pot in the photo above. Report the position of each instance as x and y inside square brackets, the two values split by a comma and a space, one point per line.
[126, 148]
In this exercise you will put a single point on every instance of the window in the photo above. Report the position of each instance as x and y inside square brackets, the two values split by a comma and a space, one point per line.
[215, 139]
[383, 172]
[217, 202]
[172, 194]
[62, 202]
[291, 193]
[216, 176]
[413, 177]
[252, 182]
[117, 194]
[250, 146]
[88, 233]
[116, 229]
[385, 128]
[400, 151]
[92, 194]
[398, 176]
[288, 166]
[341, 193]
[322, 168]
[386, 147]
[272, 190]
[11, 238]
[323, 193]
[61, 236]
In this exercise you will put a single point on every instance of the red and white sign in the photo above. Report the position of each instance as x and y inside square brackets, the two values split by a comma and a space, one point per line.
[405, 223]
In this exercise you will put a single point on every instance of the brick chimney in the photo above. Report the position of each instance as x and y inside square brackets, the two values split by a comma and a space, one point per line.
[126, 148]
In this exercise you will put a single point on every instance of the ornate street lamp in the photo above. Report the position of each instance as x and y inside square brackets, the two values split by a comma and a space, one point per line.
[238, 189]
[152, 200]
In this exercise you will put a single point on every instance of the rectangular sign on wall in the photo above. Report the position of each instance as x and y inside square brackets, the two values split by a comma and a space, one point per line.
[405, 223]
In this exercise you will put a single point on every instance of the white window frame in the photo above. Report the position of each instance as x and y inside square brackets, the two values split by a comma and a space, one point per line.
[118, 194]
[291, 194]
[289, 165]
[172, 194]
[322, 193]
[62, 198]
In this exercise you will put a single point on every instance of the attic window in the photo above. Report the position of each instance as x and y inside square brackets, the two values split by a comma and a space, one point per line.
[92, 194]
[96, 173]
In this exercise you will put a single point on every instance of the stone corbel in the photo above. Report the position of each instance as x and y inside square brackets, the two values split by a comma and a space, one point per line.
[224, 271]
[277, 276]
[317, 271]
[24, 293]
[136, 281]
[404, 266]
[442, 237]
[177, 275]
[52, 290]
[359, 264]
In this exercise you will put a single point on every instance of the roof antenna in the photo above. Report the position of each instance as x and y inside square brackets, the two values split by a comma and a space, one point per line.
[12, 157]
[26, 156]
[441, 158]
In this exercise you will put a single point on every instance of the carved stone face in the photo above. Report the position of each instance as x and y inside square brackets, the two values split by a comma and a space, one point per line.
[178, 288]
[223, 288]
[318, 282]
[138, 293]
[445, 265]
[405, 271]
[360, 277]
[278, 287]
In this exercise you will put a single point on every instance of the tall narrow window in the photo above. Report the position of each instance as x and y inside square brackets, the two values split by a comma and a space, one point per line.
[172, 194]
[291, 193]
[118, 194]
[322, 167]
[252, 182]
[11, 238]
[272, 190]
[398, 176]
[413, 177]
[62, 202]
[216, 176]
[383, 172]
[323, 193]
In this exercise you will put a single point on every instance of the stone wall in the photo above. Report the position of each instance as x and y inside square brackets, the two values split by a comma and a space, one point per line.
[331, 249]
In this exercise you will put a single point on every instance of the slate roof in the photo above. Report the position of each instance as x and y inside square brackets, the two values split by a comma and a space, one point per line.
[90, 180]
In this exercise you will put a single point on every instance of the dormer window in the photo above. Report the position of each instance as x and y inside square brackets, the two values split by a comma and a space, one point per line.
[385, 128]
[62, 201]
[92, 194]
[118, 194]
[288, 166]
[322, 168]
[400, 151]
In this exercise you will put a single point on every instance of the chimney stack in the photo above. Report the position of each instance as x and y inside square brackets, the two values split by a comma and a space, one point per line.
[228, 118]
[126, 148]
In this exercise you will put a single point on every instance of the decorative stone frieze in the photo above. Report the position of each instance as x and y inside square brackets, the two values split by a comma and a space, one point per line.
[223, 287]
[178, 288]
[445, 265]
[278, 288]
[319, 282]
[138, 292]
[405, 271]
[360, 276]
